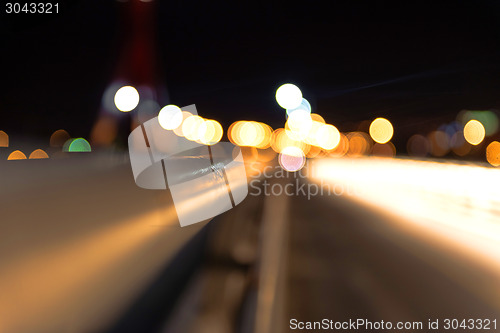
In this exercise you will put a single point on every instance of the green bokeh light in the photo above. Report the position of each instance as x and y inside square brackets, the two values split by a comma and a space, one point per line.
[78, 145]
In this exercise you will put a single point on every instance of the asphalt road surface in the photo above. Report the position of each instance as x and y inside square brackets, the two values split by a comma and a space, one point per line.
[81, 244]
[347, 261]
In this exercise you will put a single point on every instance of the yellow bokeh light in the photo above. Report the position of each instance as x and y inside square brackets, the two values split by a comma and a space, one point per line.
[191, 127]
[313, 152]
[277, 138]
[328, 137]
[250, 134]
[359, 144]
[318, 118]
[493, 153]
[474, 132]
[311, 137]
[381, 130]
[264, 140]
[210, 132]
[178, 129]
[233, 131]
[281, 140]
[38, 154]
[4, 139]
[16, 155]
[342, 148]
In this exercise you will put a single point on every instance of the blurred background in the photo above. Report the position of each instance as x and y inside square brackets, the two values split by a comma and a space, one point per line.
[370, 135]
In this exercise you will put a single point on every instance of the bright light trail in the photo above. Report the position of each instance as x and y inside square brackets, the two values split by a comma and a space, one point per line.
[459, 203]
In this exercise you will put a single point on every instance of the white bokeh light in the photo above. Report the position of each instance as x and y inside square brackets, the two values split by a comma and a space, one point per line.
[299, 124]
[289, 96]
[170, 117]
[126, 98]
[292, 159]
[304, 105]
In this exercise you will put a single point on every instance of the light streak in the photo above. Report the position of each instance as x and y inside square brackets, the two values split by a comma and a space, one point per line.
[457, 202]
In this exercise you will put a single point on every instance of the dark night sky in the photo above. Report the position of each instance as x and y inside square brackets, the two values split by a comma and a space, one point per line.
[417, 62]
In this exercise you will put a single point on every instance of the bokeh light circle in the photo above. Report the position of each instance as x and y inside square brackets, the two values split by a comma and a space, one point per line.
[126, 98]
[381, 130]
[458, 144]
[299, 122]
[16, 155]
[439, 143]
[327, 137]
[493, 153]
[304, 105]
[288, 96]
[191, 127]
[250, 134]
[170, 117]
[292, 159]
[178, 130]
[210, 132]
[474, 132]
[359, 144]
[418, 145]
[38, 154]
